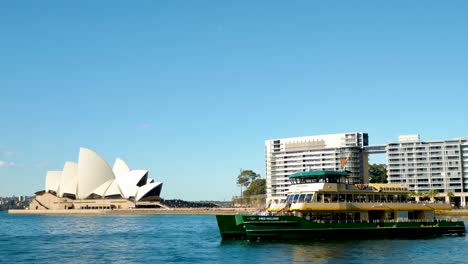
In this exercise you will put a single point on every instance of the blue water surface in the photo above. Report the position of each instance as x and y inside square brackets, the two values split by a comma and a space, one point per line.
[193, 239]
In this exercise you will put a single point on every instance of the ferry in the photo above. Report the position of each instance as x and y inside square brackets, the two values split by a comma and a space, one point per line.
[323, 205]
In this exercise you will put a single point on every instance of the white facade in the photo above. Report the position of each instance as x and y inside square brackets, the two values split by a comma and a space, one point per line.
[464, 148]
[323, 152]
[430, 165]
[92, 177]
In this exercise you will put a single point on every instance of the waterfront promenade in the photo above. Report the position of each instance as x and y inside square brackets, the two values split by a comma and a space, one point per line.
[175, 211]
[455, 212]
[138, 211]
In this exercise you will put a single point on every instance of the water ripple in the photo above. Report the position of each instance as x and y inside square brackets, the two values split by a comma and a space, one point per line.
[192, 239]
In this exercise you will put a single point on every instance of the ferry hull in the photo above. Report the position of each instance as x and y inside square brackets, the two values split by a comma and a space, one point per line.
[231, 229]
[293, 228]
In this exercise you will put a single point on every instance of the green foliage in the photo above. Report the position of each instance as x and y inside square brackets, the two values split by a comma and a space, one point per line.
[416, 194]
[256, 187]
[378, 173]
[432, 193]
[246, 177]
[450, 194]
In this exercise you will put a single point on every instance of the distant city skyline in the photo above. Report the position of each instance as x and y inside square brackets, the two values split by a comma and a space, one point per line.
[190, 91]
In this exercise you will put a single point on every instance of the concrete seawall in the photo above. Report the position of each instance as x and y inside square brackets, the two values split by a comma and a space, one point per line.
[175, 211]
[457, 212]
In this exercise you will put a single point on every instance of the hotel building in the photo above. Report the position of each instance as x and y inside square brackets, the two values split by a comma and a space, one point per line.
[430, 165]
[323, 152]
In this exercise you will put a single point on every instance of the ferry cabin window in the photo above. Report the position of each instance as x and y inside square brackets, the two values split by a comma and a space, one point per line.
[295, 181]
[349, 197]
[288, 199]
[334, 197]
[296, 196]
[332, 216]
[301, 198]
[308, 198]
[319, 197]
[341, 197]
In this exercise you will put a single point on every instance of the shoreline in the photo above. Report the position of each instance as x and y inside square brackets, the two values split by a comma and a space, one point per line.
[455, 212]
[137, 211]
[174, 211]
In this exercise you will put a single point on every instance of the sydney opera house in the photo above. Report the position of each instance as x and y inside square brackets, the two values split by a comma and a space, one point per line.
[93, 184]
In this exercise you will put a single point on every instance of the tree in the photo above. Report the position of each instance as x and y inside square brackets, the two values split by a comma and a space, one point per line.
[415, 195]
[432, 193]
[378, 173]
[450, 194]
[257, 187]
[245, 178]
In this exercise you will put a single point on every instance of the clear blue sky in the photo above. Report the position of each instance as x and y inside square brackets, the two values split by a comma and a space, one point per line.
[190, 90]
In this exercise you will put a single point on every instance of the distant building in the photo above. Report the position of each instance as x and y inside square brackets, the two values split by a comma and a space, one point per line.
[323, 152]
[440, 165]
[93, 184]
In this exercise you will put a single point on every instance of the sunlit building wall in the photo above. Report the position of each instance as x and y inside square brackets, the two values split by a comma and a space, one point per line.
[440, 165]
[322, 152]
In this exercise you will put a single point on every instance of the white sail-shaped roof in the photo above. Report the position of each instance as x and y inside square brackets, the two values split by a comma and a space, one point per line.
[145, 189]
[101, 190]
[128, 182]
[113, 189]
[53, 181]
[93, 176]
[109, 188]
[135, 176]
[120, 167]
[68, 182]
[93, 171]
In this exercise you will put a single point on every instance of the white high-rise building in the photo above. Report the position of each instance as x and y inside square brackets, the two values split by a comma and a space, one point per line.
[430, 165]
[323, 152]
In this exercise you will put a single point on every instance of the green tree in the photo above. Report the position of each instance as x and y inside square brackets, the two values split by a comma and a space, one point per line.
[378, 173]
[432, 193]
[245, 178]
[257, 187]
[415, 195]
[450, 194]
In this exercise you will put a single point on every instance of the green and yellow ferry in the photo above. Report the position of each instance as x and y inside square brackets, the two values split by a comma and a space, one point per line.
[327, 205]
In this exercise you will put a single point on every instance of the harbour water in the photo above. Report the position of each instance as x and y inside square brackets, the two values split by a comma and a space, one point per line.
[193, 239]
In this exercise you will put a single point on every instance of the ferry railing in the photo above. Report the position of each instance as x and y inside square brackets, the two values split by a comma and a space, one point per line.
[388, 201]
[387, 221]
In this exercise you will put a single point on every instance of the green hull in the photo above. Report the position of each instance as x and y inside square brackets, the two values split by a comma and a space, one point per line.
[249, 227]
[230, 228]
